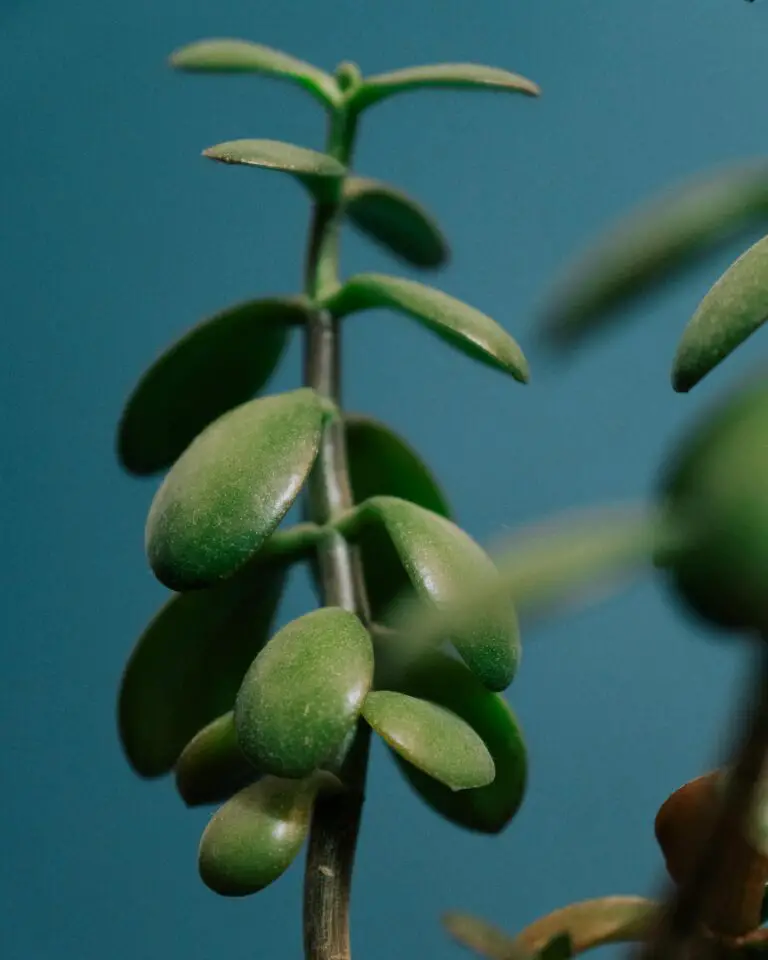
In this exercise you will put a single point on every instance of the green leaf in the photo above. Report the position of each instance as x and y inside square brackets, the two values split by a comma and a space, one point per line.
[456, 76]
[654, 245]
[431, 738]
[732, 310]
[460, 325]
[440, 560]
[715, 486]
[255, 836]
[442, 680]
[302, 695]
[241, 56]
[217, 365]
[189, 663]
[318, 172]
[231, 488]
[396, 221]
[560, 947]
[211, 766]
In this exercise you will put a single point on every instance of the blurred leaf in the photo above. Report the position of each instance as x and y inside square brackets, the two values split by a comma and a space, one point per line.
[456, 76]
[462, 326]
[255, 836]
[320, 173]
[560, 947]
[732, 310]
[442, 680]
[189, 663]
[654, 244]
[588, 924]
[442, 560]
[211, 766]
[302, 695]
[231, 488]
[715, 483]
[241, 56]
[217, 365]
[431, 738]
[395, 220]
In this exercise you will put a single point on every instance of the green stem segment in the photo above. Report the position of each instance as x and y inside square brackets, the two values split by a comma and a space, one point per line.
[336, 817]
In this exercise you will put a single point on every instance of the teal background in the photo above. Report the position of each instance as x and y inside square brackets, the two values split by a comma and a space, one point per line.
[115, 236]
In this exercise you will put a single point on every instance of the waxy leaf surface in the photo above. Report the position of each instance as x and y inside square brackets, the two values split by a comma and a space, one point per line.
[231, 488]
[441, 561]
[655, 244]
[318, 172]
[302, 696]
[431, 738]
[212, 767]
[189, 663]
[442, 680]
[216, 366]
[253, 839]
[732, 310]
[465, 328]
[456, 76]
[396, 221]
[225, 55]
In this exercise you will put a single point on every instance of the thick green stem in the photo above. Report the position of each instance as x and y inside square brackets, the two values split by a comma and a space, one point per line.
[336, 817]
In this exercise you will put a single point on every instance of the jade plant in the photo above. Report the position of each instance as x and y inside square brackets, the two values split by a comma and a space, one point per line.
[274, 727]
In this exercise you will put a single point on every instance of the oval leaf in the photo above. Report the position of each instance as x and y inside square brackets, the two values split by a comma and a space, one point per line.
[214, 367]
[732, 310]
[255, 836]
[302, 695]
[460, 325]
[231, 487]
[431, 738]
[396, 221]
[655, 244]
[441, 561]
[189, 663]
[319, 173]
[211, 766]
[456, 76]
[241, 56]
[442, 680]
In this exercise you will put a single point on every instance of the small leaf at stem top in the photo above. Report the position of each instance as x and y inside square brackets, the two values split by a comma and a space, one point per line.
[396, 221]
[732, 310]
[462, 326]
[227, 55]
[456, 76]
[320, 173]
[430, 737]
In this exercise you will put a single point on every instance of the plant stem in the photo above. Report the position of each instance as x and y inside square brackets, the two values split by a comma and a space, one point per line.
[679, 935]
[336, 817]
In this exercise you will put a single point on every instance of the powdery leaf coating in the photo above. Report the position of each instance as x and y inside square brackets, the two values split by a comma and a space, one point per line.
[464, 327]
[734, 308]
[433, 739]
[302, 695]
[231, 488]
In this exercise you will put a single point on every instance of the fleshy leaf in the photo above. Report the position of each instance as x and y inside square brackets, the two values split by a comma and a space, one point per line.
[211, 766]
[456, 76]
[462, 326]
[431, 738]
[227, 55]
[189, 663]
[396, 221]
[442, 560]
[302, 695]
[217, 365]
[442, 680]
[318, 172]
[231, 487]
[484, 938]
[732, 310]
[655, 244]
[253, 839]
